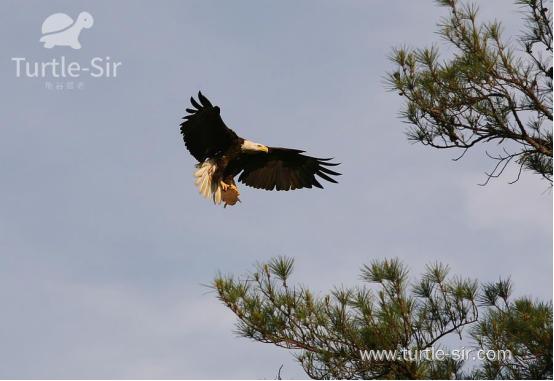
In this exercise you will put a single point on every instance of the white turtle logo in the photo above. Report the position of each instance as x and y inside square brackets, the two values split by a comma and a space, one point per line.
[60, 30]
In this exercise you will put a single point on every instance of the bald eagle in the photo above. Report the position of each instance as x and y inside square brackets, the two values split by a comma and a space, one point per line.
[222, 155]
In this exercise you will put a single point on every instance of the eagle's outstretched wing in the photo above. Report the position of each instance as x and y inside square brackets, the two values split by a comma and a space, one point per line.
[284, 169]
[204, 132]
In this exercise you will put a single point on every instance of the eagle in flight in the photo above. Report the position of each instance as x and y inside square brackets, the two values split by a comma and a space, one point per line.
[222, 155]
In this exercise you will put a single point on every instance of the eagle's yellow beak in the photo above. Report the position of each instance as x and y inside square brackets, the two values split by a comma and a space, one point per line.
[264, 149]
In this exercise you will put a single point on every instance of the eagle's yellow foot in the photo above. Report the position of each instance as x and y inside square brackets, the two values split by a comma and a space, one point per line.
[224, 186]
[229, 193]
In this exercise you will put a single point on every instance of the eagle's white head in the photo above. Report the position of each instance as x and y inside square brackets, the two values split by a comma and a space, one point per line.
[251, 147]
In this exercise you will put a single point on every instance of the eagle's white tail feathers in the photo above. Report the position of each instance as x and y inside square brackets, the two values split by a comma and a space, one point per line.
[205, 182]
[217, 195]
[204, 175]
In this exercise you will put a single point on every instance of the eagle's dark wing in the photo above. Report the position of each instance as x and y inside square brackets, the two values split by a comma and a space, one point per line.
[204, 132]
[283, 169]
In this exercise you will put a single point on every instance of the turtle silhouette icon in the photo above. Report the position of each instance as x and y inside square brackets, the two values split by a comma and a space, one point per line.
[60, 30]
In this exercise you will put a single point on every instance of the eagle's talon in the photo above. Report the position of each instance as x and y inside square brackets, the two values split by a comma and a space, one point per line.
[224, 186]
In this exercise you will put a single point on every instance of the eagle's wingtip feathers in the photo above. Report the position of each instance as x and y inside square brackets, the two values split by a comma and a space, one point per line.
[205, 102]
[194, 103]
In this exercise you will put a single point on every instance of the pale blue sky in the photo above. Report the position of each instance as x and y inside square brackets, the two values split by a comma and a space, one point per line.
[104, 241]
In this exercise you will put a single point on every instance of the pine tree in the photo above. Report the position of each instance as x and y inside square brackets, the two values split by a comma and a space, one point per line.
[333, 334]
[485, 92]
[524, 327]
